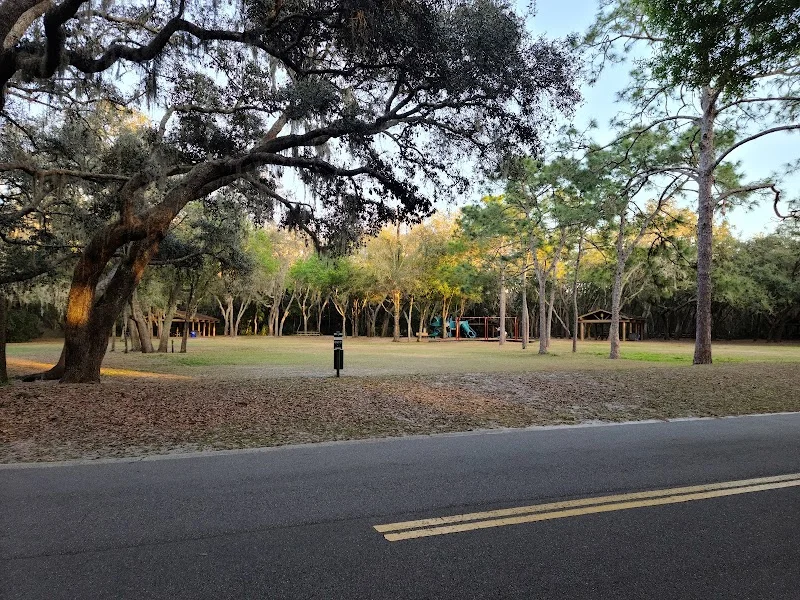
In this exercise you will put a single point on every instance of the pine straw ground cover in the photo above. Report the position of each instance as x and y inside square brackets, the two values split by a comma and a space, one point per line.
[127, 417]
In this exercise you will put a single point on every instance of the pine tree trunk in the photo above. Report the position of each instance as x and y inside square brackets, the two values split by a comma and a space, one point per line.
[525, 315]
[616, 292]
[502, 305]
[188, 315]
[542, 277]
[705, 222]
[616, 300]
[575, 296]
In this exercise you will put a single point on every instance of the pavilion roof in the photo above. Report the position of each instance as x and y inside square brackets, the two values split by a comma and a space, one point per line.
[602, 314]
[180, 317]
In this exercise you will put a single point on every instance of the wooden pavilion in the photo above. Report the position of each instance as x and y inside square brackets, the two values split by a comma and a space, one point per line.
[597, 323]
[204, 325]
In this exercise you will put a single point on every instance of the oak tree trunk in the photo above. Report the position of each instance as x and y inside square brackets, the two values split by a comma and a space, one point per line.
[90, 317]
[172, 307]
[240, 315]
[285, 315]
[409, 314]
[136, 343]
[387, 318]
[542, 277]
[396, 301]
[142, 325]
[550, 310]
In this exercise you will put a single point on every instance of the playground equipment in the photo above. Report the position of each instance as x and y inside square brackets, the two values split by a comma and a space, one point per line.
[462, 328]
[452, 328]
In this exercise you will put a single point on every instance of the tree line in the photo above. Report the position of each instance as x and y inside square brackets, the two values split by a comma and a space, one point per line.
[484, 260]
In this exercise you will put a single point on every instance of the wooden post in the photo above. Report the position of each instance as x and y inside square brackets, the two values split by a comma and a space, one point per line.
[583, 330]
[624, 331]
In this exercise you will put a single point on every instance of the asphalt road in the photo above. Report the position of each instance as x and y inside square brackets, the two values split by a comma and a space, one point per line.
[298, 522]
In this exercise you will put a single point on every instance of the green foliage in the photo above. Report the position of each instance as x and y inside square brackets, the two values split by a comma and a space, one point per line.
[725, 44]
[23, 326]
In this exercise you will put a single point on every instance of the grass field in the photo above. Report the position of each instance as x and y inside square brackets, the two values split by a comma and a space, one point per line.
[256, 357]
[243, 392]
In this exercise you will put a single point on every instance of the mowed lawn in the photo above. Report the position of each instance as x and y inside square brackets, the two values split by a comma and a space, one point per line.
[256, 391]
[255, 357]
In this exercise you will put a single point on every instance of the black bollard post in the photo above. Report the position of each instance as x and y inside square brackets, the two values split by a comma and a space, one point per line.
[338, 352]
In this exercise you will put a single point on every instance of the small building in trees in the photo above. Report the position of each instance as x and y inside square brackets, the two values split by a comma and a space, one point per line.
[204, 325]
[597, 323]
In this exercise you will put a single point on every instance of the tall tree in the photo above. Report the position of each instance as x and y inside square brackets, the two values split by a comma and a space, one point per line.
[712, 66]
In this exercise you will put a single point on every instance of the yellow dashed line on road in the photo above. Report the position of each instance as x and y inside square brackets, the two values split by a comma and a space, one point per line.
[572, 508]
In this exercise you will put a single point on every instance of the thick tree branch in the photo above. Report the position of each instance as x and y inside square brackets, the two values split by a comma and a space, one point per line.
[21, 26]
[87, 175]
[11, 11]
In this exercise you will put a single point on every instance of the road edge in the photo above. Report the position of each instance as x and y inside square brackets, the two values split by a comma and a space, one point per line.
[388, 439]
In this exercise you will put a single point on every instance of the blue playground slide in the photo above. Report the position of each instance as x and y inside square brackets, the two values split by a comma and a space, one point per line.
[450, 330]
[467, 330]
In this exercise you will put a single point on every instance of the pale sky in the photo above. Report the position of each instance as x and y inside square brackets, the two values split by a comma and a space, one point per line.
[558, 18]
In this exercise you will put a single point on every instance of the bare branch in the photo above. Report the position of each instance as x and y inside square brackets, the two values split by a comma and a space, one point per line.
[754, 137]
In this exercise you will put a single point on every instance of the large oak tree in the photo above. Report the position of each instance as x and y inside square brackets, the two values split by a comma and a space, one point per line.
[375, 105]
